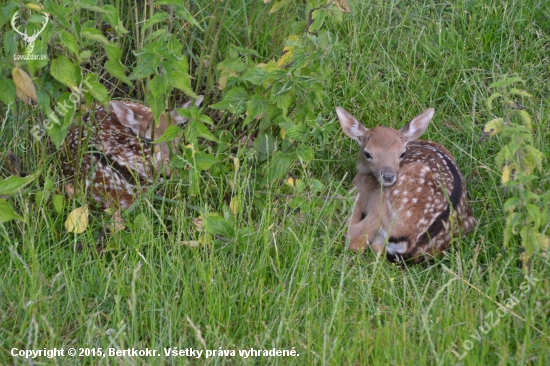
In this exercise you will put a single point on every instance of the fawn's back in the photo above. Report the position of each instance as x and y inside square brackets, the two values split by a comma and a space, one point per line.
[411, 194]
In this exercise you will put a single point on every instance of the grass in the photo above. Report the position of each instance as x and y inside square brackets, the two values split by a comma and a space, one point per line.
[287, 282]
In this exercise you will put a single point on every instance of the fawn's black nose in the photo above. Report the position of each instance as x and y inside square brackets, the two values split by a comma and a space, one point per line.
[387, 176]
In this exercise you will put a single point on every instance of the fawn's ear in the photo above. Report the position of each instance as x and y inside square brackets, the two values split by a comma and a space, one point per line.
[130, 116]
[180, 119]
[351, 126]
[415, 128]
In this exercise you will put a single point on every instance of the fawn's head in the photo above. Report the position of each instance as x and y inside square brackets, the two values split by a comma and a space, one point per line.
[383, 148]
[139, 119]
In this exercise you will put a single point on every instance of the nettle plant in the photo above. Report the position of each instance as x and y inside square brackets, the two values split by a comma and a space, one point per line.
[280, 102]
[528, 206]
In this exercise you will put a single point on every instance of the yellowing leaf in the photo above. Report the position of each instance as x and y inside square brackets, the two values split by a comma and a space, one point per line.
[288, 52]
[282, 132]
[505, 174]
[236, 163]
[235, 205]
[292, 180]
[77, 221]
[494, 126]
[24, 87]
[35, 7]
[340, 4]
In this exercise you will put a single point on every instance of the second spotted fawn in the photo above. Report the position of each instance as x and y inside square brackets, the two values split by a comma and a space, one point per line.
[111, 156]
[411, 194]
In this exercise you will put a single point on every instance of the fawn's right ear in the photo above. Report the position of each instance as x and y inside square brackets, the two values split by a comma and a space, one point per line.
[351, 126]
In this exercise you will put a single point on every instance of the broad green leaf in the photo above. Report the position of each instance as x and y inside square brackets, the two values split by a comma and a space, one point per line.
[143, 69]
[234, 101]
[298, 132]
[256, 75]
[113, 51]
[264, 145]
[277, 168]
[255, 108]
[204, 161]
[516, 91]
[511, 204]
[58, 203]
[98, 91]
[506, 82]
[13, 184]
[183, 14]
[534, 214]
[64, 71]
[157, 18]
[156, 34]
[118, 71]
[182, 81]
[7, 91]
[69, 41]
[217, 225]
[196, 129]
[525, 118]
[492, 98]
[305, 153]
[94, 35]
[7, 213]
[172, 132]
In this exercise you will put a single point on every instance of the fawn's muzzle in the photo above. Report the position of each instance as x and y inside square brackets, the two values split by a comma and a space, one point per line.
[387, 176]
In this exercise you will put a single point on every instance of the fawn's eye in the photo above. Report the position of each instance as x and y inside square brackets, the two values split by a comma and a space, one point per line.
[402, 155]
[368, 156]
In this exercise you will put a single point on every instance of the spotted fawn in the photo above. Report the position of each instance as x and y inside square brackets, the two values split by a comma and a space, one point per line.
[411, 194]
[112, 157]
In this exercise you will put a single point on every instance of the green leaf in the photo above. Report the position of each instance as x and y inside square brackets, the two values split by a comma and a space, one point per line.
[156, 34]
[58, 203]
[113, 51]
[158, 90]
[196, 129]
[523, 93]
[98, 91]
[506, 82]
[143, 69]
[7, 91]
[264, 145]
[534, 214]
[277, 168]
[157, 18]
[255, 109]
[183, 14]
[182, 81]
[298, 132]
[7, 213]
[94, 35]
[118, 71]
[511, 203]
[64, 71]
[234, 101]
[492, 98]
[305, 153]
[13, 184]
[525, 118]
[217, 225]
[204, 161]
[256, 75]
[69, 41]
[172, 132]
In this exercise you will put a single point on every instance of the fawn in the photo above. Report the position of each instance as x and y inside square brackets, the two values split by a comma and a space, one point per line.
[411, 193]
[112, 156]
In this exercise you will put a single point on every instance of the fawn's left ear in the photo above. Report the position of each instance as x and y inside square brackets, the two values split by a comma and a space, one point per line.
[180, 119]
[415, 128]
[129, 116]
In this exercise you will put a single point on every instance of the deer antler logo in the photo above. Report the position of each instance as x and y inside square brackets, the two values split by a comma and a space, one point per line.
[28, 39]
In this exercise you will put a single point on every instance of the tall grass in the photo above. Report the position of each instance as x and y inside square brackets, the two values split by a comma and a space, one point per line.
[287, 281]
